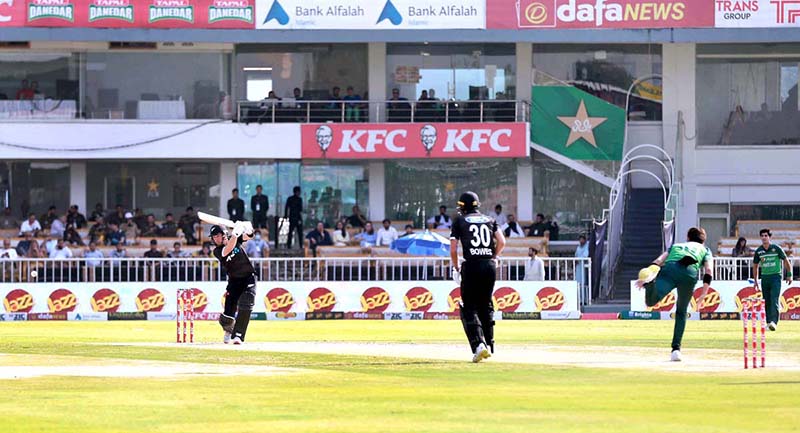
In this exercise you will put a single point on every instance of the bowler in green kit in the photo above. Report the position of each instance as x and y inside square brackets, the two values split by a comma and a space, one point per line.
[679, 267]
[769, 257]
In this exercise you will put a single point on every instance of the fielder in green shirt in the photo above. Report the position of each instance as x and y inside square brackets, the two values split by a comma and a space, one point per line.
[679, 267]
[769, 257]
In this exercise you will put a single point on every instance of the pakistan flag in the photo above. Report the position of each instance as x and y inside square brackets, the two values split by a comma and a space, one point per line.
[576, 124]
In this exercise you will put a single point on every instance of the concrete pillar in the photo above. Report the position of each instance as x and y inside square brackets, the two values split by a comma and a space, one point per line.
[377, 191]
[525, 191]
[227, 182]
[77, 186]
[679, 68]
[376, 57]
[524, 51]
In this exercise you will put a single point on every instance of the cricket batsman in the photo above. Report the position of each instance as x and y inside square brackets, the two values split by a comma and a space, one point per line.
[241, 291]
[482, 243]
[679, 267]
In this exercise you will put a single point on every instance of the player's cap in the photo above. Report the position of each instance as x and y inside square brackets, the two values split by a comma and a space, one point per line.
[215, 230]
[468, 202]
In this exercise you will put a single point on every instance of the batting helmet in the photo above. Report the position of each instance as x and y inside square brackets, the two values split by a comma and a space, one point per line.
[468, 202]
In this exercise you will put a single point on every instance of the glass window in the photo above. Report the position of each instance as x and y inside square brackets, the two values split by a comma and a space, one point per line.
[747, 94]
[38, 85]
[607, 71]
[315, 69]
[155, 187]
[35, 186]
[570, 197]
[452, 71]
[152, 85]
[408, 198]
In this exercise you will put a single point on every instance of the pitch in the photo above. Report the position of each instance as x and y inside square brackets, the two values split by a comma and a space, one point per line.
[366, 376]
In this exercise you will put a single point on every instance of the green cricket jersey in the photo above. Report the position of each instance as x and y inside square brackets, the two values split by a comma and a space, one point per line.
[695, 250]
[770, 259]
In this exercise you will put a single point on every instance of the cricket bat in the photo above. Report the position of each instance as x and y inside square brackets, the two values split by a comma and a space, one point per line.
[213, 219]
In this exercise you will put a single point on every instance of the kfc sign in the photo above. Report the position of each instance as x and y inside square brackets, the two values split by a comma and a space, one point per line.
[12, 12]
[415, 140]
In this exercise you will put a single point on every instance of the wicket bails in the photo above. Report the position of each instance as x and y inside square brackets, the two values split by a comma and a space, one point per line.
[753, 311]
[185, 315]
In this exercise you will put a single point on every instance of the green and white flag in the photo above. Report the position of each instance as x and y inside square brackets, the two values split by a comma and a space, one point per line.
[576, 124]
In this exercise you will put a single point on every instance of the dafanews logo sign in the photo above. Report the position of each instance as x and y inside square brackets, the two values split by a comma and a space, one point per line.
[57, 9]
[181, 10]
[230, 10]
[111, 9]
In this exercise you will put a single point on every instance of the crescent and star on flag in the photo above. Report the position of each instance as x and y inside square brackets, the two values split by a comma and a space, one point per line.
[581, 125]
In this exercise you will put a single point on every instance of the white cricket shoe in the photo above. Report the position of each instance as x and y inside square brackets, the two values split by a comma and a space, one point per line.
[772, 326]
[675, 356]
[237, 341]
[226, 338]
[481, 353]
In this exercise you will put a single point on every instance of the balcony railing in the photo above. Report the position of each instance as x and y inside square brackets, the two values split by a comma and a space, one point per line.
[294, 111]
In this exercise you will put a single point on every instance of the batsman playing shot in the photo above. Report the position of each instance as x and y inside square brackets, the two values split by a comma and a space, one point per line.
[767, 261]
[241, 291]
[679, 267]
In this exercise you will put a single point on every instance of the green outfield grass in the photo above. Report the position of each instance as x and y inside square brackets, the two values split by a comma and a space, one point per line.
[377, 394]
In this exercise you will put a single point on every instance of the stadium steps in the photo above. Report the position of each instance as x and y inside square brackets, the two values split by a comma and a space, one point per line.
[641, 238]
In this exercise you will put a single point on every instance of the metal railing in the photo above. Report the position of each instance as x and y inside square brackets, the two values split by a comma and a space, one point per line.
[79, 270]
[294, 111]
[741, 268]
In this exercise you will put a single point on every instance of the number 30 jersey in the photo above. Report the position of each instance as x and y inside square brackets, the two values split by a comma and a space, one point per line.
[476, 233]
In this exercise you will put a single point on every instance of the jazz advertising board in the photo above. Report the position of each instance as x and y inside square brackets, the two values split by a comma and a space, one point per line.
[158, 300]
[414, 140]
[599, 14]
[722, 297]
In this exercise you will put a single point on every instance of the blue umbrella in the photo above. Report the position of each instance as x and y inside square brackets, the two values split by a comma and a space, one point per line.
[426, 243]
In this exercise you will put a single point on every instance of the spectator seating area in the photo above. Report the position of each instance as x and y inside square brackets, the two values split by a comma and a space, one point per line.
[784, 233]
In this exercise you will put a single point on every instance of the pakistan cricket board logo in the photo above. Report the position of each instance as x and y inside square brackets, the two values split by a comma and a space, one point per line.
[111, 9]
[18, 301]
[58, 9]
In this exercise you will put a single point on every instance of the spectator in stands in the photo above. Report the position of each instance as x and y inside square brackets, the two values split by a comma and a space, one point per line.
[294, 212]
[235, 206]
[440, 221]
[72, 237]
[259, 205]
[551, 226]
[188, 225]
[741, 249]
[37, 252]
[7, 220]
[153, 252]
[75, 218]
[24, 245]
[386, 234]
[257, 247]
[498, 215]
[318, 237]
[140, 219]
[7, 252]
[169, 229]
[512, 229]
[59, 226]
[50, 244]
[115, 236]
[534, 267]
[151, 228]
[425, 109]
[131, 230]
[582, 251]
[367, 238]
[432, 95]
[35, 89]
[205, 251]
[31, 225]
[97, 212]
[25, 91]
[93, 255]
[119, 252]
[352, 109]
[117, 217]
[356, 220]
[177, 252]
[398, 109]
[47, 219]
[61, 251]
[408, 231]
[341, 237]
[99, 231]
[538, 227]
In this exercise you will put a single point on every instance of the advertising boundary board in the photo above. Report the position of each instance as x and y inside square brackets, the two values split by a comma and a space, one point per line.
[386, 300]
